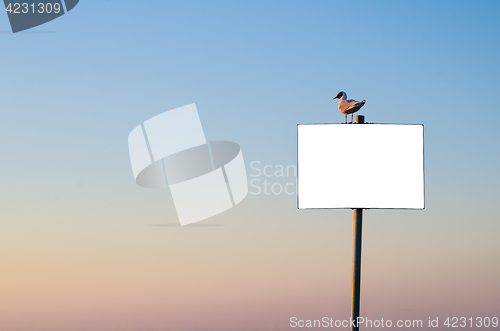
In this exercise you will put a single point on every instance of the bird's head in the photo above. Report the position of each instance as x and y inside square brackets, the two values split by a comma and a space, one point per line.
[341, 93]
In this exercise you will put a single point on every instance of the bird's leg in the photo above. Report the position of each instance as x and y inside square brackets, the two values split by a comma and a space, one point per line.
[352, 118]
[345, 118]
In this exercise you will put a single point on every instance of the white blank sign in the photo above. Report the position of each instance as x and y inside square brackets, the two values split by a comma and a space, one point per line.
[360, 166]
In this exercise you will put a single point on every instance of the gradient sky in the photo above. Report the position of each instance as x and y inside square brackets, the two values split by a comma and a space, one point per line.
[77, 249]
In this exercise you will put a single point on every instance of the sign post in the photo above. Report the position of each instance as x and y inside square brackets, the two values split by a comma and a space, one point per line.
[356, 257]
[330, 159]
[356, 267]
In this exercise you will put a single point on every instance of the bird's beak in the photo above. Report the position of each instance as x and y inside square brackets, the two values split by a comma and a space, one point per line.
[335, 98]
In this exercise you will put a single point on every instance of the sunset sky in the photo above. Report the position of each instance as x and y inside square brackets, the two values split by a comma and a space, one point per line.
[82, 247]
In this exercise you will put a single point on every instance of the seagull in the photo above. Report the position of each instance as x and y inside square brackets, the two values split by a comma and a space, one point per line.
[348, 106]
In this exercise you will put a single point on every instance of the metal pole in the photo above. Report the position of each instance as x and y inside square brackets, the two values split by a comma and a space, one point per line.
[356, 267]
[356, 259]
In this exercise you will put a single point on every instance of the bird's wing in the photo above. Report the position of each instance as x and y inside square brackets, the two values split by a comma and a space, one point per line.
[356, 104]
[347, 104]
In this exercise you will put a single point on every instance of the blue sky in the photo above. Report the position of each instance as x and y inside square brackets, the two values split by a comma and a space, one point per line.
[255, 70]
